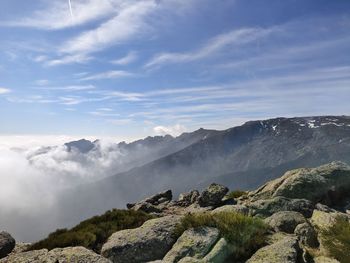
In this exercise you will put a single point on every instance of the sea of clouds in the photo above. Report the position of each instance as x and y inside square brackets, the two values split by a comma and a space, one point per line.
[32, 178]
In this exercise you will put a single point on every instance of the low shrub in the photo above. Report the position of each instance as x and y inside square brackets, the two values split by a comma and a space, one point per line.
[245, 234]
[236, 194]
[336, 240]
[94, 232]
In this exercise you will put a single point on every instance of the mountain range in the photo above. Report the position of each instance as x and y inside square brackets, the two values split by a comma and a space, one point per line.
[241, 157]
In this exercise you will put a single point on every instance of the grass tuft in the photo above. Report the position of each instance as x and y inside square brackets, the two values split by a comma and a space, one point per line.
[336, 240]
[245, 234]
[94, 232]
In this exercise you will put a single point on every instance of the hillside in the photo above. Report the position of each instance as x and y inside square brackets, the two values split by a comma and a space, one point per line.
[301, 217]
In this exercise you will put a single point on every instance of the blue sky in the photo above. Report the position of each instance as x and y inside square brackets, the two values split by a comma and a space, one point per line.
[129, 69]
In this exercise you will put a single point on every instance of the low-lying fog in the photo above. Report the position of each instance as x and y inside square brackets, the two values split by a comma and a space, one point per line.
[32, 178]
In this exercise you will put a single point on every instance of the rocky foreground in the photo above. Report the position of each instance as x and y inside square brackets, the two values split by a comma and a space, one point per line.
[297, 210]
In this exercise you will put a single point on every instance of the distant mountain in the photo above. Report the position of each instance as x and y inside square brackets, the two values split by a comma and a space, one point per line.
[116, 157]
[83, 146]
[242, 157]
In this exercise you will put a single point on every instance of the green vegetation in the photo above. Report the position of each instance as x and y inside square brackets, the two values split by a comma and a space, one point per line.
[337, 240]
[236, 194]
[245, 234]
[94, 232]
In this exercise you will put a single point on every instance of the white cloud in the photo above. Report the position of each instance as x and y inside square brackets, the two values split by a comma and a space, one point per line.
[70, 59]
[56, 15]
[216, 44]
[126, 24]
[112, 74]
[42, 82]
[175, 130]
[4, 90]
[40, 58]
[129, 58]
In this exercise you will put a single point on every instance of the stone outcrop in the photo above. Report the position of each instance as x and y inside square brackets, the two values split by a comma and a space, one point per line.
[327, 184]
[149, 242]
[150, 204]
[186, 199]
[7, 244]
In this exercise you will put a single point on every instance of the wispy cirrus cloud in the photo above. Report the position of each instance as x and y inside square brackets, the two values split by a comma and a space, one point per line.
[69, 59]
[126, 24]
[111, 74]
[129, 58]
[69, 88]
[56, 14]
[214, 45]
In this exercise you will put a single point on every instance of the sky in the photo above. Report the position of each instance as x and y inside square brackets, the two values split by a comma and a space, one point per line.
[127, 69]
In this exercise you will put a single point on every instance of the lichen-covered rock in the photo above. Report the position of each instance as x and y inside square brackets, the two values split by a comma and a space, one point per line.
[7, 244]
[284, 251]
[194, 243]
[186, 199]
[149, 205]
[285, 221]
[270, 206]
[323, 220]
[242, 209]
[212, 195]
[326, 184]
[220, 252]
[58, 255]
[146, 207]
[307, 235]
[149, 242]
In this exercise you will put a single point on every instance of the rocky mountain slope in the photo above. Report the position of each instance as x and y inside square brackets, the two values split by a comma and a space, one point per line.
[303, 216]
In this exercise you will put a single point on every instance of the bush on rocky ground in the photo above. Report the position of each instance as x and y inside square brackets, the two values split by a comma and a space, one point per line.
[336, 240]
[94, 232]
[236, 194]
[245, 234]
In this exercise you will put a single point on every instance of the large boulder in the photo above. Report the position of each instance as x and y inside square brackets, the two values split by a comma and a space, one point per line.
[58, 255]
[270, 206]
[307, 235]
[286, 250]
[212, 195]
[149, 242]
[285, 221]
[7, 244]
[327, 184]
[194, 242]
